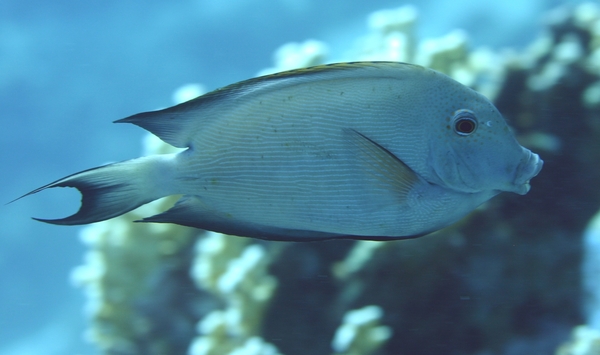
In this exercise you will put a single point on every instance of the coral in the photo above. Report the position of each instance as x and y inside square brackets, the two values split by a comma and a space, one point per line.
[361, 254]
[360, 332]
[235, 271]
[392, 37]
[584, 341]
[297, 55]
[591, 273]
[129, 274]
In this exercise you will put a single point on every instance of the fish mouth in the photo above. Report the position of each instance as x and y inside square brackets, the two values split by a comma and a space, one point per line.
[529, 167]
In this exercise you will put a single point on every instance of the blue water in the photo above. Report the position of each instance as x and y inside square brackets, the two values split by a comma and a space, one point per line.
[69, 68]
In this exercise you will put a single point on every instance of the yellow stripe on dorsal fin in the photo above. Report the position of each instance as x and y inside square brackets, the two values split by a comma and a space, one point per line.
[177, 124]
[331, 67]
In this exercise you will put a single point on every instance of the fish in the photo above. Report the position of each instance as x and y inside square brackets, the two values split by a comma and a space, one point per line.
[354, 150]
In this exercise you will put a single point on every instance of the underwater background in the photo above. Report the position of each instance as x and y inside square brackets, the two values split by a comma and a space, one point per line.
[518, 276]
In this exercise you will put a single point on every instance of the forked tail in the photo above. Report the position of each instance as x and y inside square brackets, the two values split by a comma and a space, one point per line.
[112, 190]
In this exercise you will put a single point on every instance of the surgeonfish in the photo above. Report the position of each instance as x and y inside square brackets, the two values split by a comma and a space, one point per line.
[361, 150]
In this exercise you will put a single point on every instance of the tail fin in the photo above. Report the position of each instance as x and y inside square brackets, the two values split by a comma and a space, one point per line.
[110, 190]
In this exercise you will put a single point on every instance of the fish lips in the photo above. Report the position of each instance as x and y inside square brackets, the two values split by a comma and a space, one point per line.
[529, 167]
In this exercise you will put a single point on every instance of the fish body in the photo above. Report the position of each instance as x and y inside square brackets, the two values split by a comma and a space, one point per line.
[364, 150]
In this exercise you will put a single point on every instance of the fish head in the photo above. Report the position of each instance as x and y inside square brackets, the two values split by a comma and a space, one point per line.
[475, 150]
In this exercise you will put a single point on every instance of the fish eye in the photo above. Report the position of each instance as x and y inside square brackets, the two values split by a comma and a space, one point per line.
[465, 122]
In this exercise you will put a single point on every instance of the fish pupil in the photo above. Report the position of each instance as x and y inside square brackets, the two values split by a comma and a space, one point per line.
[465, 126]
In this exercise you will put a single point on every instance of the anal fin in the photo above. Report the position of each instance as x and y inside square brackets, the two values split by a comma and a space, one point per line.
[191, 211]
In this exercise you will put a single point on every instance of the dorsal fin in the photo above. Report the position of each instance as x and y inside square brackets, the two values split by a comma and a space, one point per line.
[174, 125]
[177, 125]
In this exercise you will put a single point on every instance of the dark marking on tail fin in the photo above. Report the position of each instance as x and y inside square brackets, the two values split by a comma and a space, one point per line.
[106, 192]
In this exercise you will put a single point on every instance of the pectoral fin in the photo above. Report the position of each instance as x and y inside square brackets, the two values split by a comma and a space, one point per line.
[379, 162]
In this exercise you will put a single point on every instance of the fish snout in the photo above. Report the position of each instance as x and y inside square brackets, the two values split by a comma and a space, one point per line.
[528, 168]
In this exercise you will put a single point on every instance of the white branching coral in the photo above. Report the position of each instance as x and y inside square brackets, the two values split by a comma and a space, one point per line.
[235, 271]
[391, 35]
[360, 332]
[584, 341]
[591, 272]
[358, 257]
[295, 55]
